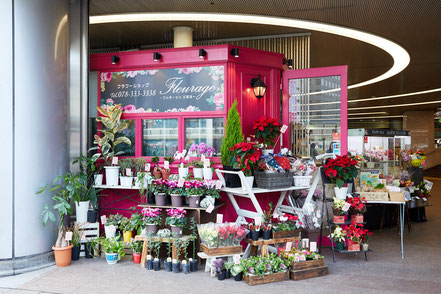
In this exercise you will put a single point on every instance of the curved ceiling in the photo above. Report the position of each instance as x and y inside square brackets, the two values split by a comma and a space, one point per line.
[410, 23]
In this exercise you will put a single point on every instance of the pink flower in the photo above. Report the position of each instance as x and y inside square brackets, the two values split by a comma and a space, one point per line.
[132, 74]
[109, 101]
[152, 72]
[218, 99]
[130, 108]
[106, 76]
[190, 108]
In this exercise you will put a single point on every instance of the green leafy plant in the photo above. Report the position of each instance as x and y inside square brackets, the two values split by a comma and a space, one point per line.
[127, 225]
[233, 134]
[136, 246]
[155, 161]
[115, 220]
[84, 179]
[77, 234]
[236, 270]
[228, 265]
[112, 245]
[111, 120]
[139, 164]
[124, 164]
[193, 234]
[156, 247]
[259, 266]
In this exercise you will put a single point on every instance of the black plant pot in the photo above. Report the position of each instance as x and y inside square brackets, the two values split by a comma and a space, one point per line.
[176, 267]
[151, 198]
[193, 265]
[168, 266]
[156, 265]
[238, 277]
[221, 275]
[266, 235]
[92, 216]
[227, 274]
[149, 264]
[186, 268]
[231, 180]
[88, 250]
[75, 252]
[248, 236]
[255, 235]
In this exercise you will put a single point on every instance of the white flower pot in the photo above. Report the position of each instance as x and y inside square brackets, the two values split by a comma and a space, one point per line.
[126, 181]
[98, 180]
[143, 183]
[198, 172]
[340, 193]
[208, 173]
[81, 211]
[112, 175]
[110, 231]
[302, 181]
[267, 151]
[211, 199]
[183, 172]
[250, 181]
[364, 246]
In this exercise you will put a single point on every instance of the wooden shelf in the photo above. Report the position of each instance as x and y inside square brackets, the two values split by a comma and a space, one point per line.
[347, 251]
[184, 207]
[116, 187]
[271, 241]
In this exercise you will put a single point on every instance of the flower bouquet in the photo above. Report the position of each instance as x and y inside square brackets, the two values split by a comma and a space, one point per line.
[151, 219]
[176, 220]
[221, 238]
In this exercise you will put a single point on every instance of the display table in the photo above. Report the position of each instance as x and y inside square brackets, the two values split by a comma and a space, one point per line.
[253, 245]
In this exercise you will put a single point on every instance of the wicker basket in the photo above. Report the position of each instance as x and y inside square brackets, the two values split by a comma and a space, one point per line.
[273, 180]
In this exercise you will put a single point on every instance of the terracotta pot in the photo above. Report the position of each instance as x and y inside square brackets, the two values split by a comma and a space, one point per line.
[177, 230]
[176, 200]
[136, 257]
[157, 174]
[63, 255]
[357, 218]
[339, 219]
[165, 174]
[193, 201]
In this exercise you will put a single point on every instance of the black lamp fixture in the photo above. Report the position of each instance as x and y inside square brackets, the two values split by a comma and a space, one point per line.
[202, 53]
[115, 59]
[290, 63]
[235, 52]
[156, 56]
[258, 86]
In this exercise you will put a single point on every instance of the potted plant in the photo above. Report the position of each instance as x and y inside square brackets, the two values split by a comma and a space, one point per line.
[76, 241]
[353, 234]
[126, 173]
[228, 266]
[339, 171]
[198, 169]
[111, 120]
[218, 263]
[61, 197]
[285, 226]
[357, 209]
[152, 218]
[365, 238]
[254, 231]
[193, 238]
[127, 227]
[176, 220]
[185, 262]
[176, 193]
[168, 261]
[136, 247]
[156, 248]
[159, 187]
[90, 247]
[113, 249]
[166, 171]
[182, 158]
[149, 259]
[266, 231]
[338, 236]
[176, 264]
[195, 190]
[157, 173]
[236, 272]
[211, 192]
[245, 157]
[267, 130]
[233, 136]
[340, 210]
[111, 227]
[136, 220]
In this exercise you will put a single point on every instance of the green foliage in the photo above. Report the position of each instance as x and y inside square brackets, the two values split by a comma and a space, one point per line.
[139, 164]
[125, 163]
[258, 265]
[156, 247]
[127, 225]
[136, 246]
[114, 219]
[233, 134]
[76, 235]
[112, 245]
[236, 270]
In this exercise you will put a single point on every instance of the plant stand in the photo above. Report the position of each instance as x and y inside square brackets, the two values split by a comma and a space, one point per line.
[91, 231]
[211, 258]
[253, 246]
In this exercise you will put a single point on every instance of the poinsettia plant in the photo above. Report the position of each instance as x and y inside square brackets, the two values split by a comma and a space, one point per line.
[365, 236]
[245, 156]
[267, 130]
[354, 232]
[341, 169]
[357, 205]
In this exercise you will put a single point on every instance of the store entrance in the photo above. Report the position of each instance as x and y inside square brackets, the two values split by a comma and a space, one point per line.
[315, 110]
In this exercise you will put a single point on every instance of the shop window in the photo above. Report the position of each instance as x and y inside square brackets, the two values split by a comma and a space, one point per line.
[159, 137]
[207, 130]
[129, 133]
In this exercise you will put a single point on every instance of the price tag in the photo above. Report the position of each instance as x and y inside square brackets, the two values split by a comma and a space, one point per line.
[305, 243]
[258, 220]
[181, 182]
[313, 246]
[147, 167]
[424, 198]
[207, 163]
[83, 237]
[346, 206]
[68, 236]
[288, 246]
[283, 129]
[219, 218]
[218, 185]
[203, 158]
[103, 219]
[128, 172]
[115, 160]
[236, 258]
[210, 208]
[166, 164]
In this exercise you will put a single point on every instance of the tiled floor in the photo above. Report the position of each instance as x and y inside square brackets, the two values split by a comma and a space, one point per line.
[385, 272]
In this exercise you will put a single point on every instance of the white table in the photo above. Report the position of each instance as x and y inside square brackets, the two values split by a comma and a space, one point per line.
[402, 206]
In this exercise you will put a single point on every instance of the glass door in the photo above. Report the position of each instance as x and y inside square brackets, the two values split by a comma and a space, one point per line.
[315, 111]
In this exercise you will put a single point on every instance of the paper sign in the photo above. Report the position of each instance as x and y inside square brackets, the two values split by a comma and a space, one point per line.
[258, 220]
[181, 182]
[248, 139]
[147, 166]
[429, 185]
[346, 206]
[115, 160]
[236, 258]
[210, 208]
[68, 236]
[103, 220]
[166, 164]
[283, 129]
[83, 237]
[203, 158]
[288, 246]
[218, 185]
[207, 163]
[313, 246]
[128, 172]
[305, 243]
[336, 136]
[219, 218]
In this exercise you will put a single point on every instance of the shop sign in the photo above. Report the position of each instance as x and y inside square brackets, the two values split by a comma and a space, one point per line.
[164, 90]
[382, 132]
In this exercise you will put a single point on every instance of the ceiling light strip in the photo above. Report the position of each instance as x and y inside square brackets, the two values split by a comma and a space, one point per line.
[377, 117]
[396, 105]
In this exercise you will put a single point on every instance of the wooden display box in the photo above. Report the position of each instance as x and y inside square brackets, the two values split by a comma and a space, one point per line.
[308, 273]
[285, 234]
[302, 265]
[375, 196]
[266, 279]
[396, 196]
[221, 250]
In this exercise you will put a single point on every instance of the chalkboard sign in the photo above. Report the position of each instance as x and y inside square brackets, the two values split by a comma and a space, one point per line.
[165, 90]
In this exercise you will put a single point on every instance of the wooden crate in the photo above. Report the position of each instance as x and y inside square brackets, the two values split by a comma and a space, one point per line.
[285, 234]
[270, 278]
[91, 231]
[221, 250]
[308, 273]
[375, 196]
[396, 196]
[307, 264]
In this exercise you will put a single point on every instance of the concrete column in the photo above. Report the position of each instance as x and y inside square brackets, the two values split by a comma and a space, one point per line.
[422, 129]
[183, 37]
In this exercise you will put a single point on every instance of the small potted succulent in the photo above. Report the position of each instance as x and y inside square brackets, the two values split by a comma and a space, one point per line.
[166, 171]
[157, 173]
[218, 263]
[176, 220]
[195, 190]
[236, 272]
[228, 266]
[136, 247]
[113, 249]
[151, 219]
[159, 187]
[176, 193]
[338, 236]
[156, 246]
